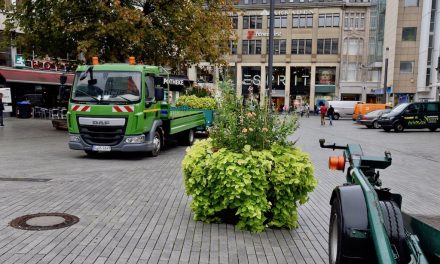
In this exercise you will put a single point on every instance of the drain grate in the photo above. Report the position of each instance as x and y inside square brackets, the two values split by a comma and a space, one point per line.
[25, 179]
[44, 221]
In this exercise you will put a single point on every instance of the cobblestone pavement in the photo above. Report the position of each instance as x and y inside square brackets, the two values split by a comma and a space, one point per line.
[134, 209]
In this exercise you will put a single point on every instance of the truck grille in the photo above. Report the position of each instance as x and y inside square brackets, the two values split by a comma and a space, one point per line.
[102, 135]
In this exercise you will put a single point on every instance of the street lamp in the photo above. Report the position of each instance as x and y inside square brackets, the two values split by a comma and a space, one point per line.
[270, 66]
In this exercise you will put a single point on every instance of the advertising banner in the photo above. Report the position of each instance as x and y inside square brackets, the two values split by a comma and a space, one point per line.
[7, 99]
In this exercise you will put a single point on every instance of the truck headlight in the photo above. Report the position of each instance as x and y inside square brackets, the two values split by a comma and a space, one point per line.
[135, 139]
[74, 138]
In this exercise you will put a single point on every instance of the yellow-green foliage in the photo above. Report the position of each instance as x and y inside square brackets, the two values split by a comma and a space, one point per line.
[195, 102]
[264, 187]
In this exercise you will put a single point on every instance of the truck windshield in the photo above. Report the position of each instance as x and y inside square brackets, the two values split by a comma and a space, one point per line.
[110, 87]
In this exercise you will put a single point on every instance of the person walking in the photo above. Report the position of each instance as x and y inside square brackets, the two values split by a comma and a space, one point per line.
[2, 108]
[323, 111]
[307, 109]
[330, 113]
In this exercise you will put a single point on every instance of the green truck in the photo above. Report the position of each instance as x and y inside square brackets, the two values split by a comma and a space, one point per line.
[125, 108]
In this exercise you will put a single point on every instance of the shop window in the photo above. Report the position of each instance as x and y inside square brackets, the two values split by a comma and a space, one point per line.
[406, 66]
[409, 34]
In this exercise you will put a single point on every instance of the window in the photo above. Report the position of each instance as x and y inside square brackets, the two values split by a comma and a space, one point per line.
[353, 46]
[252, 22]
[302, 21]
[406, 67]
[428, 77]
[432, 108]
[409, 34]
[328, 46]
[279, 46]
[328, 20]
[351, 71]
[234, 21]
[301, 46]
[233, 47]
[280, 21]
[411, 3]
[354, 20]
[251, 47]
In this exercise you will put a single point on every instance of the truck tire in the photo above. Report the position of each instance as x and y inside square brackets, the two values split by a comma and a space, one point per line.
[398, 127]
[187, 137]
[157, 142]
[336, 116]
[395, 230]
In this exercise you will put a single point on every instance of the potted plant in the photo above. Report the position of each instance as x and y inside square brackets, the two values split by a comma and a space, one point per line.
[248, 173]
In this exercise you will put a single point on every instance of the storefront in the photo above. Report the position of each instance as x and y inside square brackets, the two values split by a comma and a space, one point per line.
[325, 84]
[299, 86]
[40, 88]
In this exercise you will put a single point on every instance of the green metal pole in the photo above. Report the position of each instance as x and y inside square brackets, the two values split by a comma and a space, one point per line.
[382, 244]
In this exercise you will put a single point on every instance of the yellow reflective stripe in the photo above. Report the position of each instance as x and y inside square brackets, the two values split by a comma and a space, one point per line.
[151, 110]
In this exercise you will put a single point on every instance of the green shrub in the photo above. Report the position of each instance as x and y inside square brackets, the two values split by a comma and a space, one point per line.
[263, 188]
[195, 102]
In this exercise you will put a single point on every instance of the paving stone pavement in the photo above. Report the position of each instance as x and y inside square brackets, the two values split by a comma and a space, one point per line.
[134, 209]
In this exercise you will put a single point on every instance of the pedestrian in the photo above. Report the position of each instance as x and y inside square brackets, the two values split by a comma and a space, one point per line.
[1, 110]
[330, 114]
[307, 109]
[323, 111]
[302, 109]
[315, 109]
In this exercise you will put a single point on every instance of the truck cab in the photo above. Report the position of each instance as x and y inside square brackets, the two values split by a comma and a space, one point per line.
[124, 108]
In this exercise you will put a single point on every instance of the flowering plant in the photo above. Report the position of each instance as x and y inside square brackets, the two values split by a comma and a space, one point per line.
[237, 125]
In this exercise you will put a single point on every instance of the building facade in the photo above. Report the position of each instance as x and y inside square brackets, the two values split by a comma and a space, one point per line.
[320, 51]
[411, 49]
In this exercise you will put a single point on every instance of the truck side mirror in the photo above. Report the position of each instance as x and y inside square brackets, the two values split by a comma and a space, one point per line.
[158, 81]
[159, 94]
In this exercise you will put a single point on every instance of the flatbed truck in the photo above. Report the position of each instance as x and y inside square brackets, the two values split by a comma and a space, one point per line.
[124, 108]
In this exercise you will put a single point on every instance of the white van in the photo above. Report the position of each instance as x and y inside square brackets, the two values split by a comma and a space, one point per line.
[343, 109]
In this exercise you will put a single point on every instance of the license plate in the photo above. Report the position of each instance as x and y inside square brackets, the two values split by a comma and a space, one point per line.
[101, 148]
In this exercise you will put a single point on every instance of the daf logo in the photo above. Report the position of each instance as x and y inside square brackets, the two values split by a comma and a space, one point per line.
[101, 123]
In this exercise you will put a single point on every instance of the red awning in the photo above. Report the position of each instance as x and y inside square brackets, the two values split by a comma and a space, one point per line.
[32, 76]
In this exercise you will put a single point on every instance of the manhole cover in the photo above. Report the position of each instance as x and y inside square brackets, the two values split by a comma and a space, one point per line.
[44, 221]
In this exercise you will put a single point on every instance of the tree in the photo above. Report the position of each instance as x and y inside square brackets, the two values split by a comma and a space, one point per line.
[160, 32]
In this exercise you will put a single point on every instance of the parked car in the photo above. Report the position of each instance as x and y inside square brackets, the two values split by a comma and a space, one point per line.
[343, 109]
[370, 119]
[362, 109]
[412, 116]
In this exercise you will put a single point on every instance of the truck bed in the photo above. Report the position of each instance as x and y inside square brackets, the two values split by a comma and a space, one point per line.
[185, 120]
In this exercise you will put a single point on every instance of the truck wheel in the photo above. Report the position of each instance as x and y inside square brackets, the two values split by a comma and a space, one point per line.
[336, 116]
[157, 142]
[392, 218]
[376, 125]
[398, 127]
[188, 137]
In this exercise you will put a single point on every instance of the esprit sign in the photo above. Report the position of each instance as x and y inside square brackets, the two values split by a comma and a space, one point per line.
[249, 79]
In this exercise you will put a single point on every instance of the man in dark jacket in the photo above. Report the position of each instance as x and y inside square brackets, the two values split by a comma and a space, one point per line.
[1, 110]
[330, 113]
